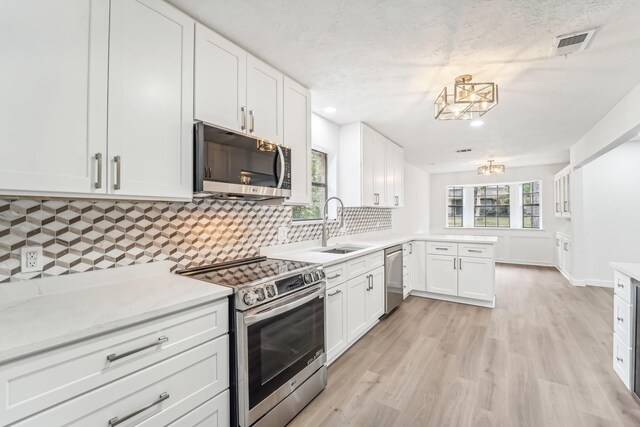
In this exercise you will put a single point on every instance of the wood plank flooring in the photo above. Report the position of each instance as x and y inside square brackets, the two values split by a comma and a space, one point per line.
[542, 357]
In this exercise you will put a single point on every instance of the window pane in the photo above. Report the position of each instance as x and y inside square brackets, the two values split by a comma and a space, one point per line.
[478, 222]
[454, 204]
[318, 167]
[503, 222]
[536, 186]
[526, 187]
[536, 222]
[527, 199]
[536, 198]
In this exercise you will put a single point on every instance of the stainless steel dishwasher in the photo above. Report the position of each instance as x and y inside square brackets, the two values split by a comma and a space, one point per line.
[392, 278]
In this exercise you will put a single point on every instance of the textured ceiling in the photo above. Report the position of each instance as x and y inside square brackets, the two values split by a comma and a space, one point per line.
[384, 62]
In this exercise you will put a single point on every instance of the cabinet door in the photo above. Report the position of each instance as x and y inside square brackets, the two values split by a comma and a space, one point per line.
[379, 169]
[567, 193]
[390, 174]
[375, 296]
[399, 175]
[418, 264]
[220, 81]
[369, 197]
[297, 136]
[556, 196]
[264, 100]
[150, 100]
[476, 278]
[442, 274]
[53, 102]
[356, 307]
[336, 320]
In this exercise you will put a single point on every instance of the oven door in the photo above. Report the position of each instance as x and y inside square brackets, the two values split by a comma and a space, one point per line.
[280, 345]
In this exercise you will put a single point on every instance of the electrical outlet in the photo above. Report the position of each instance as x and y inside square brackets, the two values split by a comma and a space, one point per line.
[31, 259]
[283, 234]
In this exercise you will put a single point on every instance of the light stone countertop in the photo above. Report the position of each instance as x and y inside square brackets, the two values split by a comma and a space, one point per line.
[629, 268]
[311, 254]
[41, 314]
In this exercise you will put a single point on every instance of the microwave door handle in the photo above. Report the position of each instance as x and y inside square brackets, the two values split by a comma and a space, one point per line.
[263, 314]
[282, 166]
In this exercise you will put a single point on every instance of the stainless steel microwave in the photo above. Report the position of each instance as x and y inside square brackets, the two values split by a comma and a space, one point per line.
[229, 165]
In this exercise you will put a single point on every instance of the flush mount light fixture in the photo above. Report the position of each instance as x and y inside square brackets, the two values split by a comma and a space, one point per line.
[330, 110]
[469, 100]
[491, 169]
[477, 123]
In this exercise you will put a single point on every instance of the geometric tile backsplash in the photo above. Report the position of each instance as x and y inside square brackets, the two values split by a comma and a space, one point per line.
[78, 235]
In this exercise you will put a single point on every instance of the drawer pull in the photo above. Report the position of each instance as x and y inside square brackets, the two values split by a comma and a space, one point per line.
[113, 356]
[115, 420]
[335, 276]
[620, 285]
[619, 359]
[620, 319]
[442, 249]
[335, 293]
[478, 251]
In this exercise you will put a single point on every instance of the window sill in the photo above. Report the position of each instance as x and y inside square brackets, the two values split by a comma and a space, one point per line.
[495, 228]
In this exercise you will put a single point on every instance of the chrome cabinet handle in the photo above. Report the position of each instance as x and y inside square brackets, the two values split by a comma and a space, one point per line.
[113, 356]
[253, 121]
[620, 359]
[117, 420]
[565, 247]
[565, 206]
[397, 201]
[476, 251]
[335, 276]
[442, 249]
[460, 263]
[335, 293]
[98, 183]
[243, 110]
[118, 161]
[410, 248]
[620, 319]
[620, 285]
[557, 207]
[454, 264]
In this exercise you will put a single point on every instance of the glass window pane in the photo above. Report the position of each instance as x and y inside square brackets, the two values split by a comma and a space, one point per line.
[318, 167]
[527, 210]
[503, 222]
[535, 185]
[478, 222]
[526, 187]
[536, 198]
[527, 199]
[536, 222]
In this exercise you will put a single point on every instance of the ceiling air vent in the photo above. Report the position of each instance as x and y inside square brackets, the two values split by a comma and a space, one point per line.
[571, 43]
[463, 150]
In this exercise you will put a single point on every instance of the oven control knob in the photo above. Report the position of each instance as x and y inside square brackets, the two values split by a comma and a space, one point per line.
[260, 294]
[249, 298]
[316, 276]
[321, 273]
[271, 291]
[307, 278]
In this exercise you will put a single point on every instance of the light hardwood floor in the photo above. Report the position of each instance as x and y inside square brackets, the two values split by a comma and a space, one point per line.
[542, 357]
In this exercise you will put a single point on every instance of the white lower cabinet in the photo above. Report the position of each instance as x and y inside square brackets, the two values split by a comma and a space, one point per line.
[336, 324]
[475, 278]
[418, 266]
[455, 277]
[353, 306]
[442, 274]
[622, 328]
[169, 366]
[357, 306]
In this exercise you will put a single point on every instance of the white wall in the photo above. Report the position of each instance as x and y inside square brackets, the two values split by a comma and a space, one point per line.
[611, 212]
[514, 245]
[414, 216]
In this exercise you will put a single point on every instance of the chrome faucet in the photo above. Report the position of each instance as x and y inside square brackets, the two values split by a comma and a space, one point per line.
[325, 232]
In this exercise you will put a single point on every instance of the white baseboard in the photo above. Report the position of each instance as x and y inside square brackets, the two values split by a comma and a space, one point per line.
[585, 282]
[518, 262]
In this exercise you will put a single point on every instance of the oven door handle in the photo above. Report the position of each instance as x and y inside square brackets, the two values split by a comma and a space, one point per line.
[280, 307]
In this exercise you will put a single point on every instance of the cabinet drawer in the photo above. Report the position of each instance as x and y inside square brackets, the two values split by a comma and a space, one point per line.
[375, 260]
[475, 250]
[442, 248]
[622, 286]
[621, 360]
[35, 383]
[188, 379]
[335, 275]
[622, 319]
[362, 265]
[212, 413]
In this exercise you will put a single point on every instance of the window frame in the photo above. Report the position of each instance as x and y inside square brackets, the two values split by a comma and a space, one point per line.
[525, 205]
[455, 188]
[323, 185]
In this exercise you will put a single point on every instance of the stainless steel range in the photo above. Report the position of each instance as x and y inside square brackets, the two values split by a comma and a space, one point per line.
[278, 328]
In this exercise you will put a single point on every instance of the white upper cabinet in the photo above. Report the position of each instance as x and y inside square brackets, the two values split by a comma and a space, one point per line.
[264, 100]
[371, 169]
[297, 136]
[53, 102]
[220, 81]
[562, 193]
[150, 100]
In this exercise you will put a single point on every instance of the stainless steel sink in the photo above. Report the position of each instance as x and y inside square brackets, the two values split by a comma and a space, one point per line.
[341, 250]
